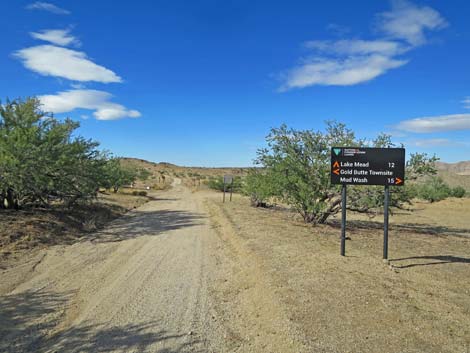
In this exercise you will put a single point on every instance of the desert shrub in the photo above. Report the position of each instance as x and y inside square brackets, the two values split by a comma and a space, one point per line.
[143, 174]
[434, 189]
[458, 191]
[217, 183]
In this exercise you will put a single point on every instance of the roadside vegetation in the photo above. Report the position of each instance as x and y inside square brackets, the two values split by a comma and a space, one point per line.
[42, 162]
[53, 182]
[294, 169]
[217, 183]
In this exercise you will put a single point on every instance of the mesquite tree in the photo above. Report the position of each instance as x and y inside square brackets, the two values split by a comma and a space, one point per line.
[41, 161]
[295, 168]
[298, 162]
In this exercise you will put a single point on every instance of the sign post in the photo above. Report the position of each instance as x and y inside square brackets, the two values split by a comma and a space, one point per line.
[228, 179]
[386, 202]
[224, 192]
[343, 220]
[367, 166]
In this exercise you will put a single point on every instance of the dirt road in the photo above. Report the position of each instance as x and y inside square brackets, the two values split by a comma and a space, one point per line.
[140, 285]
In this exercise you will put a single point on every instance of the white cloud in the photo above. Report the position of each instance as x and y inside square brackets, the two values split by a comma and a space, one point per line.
[436, 123]
[49, 60]
[339, 72]
[356, 46]
[435, 142]
[99, 101]
[409, 22]
[466, 102]
[77, 85]
[56, 36]
[352, 61]
[47, 6]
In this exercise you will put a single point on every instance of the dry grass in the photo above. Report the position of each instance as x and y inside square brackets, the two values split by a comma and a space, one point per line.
[446, 217]
[31, 228]
[454, 179]
[358, 303]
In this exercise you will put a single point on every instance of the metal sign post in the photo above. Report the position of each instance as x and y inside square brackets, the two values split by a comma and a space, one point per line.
[367, 166]
[224, 192]
[228, 179]
[343, 220]
[386, 203]
[231, 190]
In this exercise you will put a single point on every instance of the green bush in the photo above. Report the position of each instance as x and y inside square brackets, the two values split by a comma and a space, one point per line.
[217, 183]
[116, 176]
[458, 191]
[42, 160]
[143, 174]
[260, 187]
[434, 189]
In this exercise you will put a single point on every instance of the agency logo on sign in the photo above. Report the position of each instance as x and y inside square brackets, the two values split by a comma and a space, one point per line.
[367, 166]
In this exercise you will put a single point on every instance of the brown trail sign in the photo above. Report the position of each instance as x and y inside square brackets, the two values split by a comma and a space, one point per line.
[367, 166]
[228, 180]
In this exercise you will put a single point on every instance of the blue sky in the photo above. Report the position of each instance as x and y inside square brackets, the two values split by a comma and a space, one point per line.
[202, 82]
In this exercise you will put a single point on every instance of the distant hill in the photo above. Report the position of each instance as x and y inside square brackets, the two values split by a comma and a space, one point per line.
[460, 168]
[173, 168]
[164, 173]
[455, 174]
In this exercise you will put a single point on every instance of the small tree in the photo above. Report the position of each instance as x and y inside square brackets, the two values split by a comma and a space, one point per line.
[115, 175]
[260, 186]
[299, 161]
[40, 161]
[296, 169]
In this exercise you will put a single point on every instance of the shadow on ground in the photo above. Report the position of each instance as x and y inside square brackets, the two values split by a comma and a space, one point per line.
[417, 228]
[148, 223]
[27, 318]
[431, 260]
[20, 315]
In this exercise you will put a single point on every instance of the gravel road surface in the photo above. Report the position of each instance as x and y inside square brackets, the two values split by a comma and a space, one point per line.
[141, 285]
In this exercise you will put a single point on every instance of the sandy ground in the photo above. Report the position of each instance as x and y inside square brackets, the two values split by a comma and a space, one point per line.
[139, 285]
[167, 277]
[418, 302]
[187, 273]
